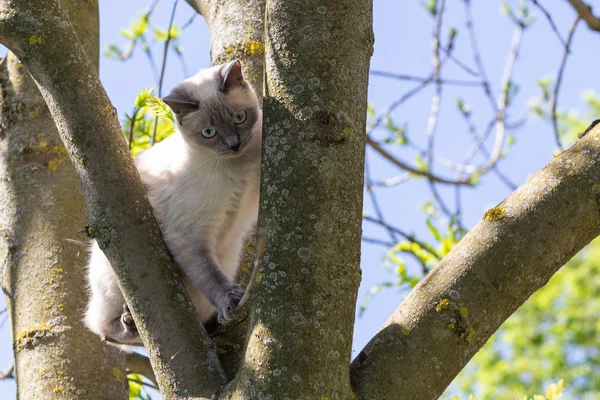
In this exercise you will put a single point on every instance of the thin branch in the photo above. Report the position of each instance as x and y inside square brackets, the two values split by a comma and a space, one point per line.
[585, 12]
[388, 156]
[7, 373]
[375, 122]
[477, 54]
[559, 77]
[164, 65]
[373, 196]
[377, 241]
[503, 101]
[463, 66]
[551, 22]
[394, 181]
[142, 383]
[412, 78]
[405, 235]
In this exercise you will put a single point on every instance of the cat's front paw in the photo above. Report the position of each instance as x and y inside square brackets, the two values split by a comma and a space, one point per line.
[228, 303]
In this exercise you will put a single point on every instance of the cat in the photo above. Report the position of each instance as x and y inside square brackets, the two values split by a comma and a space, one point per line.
[203, 185]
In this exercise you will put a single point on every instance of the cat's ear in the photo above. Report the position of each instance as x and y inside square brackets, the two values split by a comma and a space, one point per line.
[180, 102]
[232, 76]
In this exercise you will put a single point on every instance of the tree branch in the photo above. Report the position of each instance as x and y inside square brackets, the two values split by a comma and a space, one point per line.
[585, 12]
[8, 373]
[506, 257]
[121, 219]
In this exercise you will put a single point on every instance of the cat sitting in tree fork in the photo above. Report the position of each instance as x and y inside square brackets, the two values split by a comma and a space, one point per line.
[203, 185]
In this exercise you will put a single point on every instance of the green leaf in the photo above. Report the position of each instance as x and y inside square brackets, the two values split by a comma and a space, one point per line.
[433, 229]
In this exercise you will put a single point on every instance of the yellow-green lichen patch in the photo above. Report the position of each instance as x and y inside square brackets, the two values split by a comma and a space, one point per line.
[55, 163]
[253, 48]
[469, 335]
[405, 331]
[259, 277]
[118, 375]
[596, 188]
[35, 40]
[494, 214]
[57, 389]
[247, 47]
[31, 335]
[442, 306]
[463, 312]
[347, 132]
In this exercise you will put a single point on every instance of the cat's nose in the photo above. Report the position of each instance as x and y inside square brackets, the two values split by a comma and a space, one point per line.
[233, 142]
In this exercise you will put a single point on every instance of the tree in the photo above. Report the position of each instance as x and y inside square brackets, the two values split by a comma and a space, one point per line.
[448, 316]
[43, 274]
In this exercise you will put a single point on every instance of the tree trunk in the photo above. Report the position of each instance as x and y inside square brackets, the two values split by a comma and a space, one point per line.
[302, 313]
[43, 275]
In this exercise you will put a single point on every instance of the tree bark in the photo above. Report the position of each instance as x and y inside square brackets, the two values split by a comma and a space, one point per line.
[504, 259]
[43, 275]
[121, 219]
[303, 307]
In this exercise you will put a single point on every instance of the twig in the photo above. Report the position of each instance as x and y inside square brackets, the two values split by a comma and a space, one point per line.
[437, 68]
[388, 156]
[406, 236]
[375, 122]
[550, 21]
[459, 63]
[373, 196]
[585, 12]
[396, 180]
[7, 373]
[377, 241]
[477, 54]
[142, 383]
[503, 101]
[164, 65]
[412, 78]
[559, 77]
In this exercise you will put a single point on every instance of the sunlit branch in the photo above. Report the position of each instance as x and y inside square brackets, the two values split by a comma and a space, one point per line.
[558, 83]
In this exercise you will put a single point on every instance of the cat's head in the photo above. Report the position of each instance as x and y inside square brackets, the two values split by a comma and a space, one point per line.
[216, 109]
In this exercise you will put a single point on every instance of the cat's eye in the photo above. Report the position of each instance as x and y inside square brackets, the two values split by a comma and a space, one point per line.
[209, 132]
[239, 117]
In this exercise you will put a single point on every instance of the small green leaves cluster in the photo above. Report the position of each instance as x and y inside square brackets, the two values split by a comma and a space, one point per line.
[426, 254]
[570, 122]
[554, 392]
[150, 113]
[136, 389]
[141, 32]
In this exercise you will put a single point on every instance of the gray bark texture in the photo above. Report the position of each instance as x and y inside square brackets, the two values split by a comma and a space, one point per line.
[302, 311]
[120, 217]
[504, 259]
[43, 275]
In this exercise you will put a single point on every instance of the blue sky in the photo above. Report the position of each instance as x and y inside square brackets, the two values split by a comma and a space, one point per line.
[403, 45]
